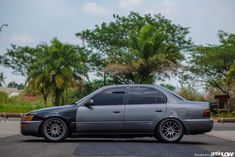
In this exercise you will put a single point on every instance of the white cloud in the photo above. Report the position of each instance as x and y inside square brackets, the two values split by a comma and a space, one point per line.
[93, 8]
[126, 4]
[168, 7]
[22, 39]
[165, 7]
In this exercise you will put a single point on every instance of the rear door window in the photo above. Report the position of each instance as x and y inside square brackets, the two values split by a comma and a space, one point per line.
[145, 95]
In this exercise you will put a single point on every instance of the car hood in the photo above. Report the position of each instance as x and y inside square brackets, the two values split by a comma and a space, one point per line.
[55, 108]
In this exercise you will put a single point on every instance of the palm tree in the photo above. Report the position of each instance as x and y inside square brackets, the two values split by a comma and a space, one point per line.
[149, 53]
[58, 67]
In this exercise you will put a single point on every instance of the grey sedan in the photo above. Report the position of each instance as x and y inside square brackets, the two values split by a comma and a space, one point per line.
[122, 111]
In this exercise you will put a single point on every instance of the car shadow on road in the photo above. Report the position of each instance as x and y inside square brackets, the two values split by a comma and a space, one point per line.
[95, 140]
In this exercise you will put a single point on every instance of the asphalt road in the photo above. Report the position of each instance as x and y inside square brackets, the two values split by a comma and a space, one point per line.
[191, 145]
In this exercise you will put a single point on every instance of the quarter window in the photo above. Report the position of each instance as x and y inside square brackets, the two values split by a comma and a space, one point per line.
[114, 96]
[145, 95]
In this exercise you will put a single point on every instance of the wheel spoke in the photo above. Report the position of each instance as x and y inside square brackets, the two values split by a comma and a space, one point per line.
[54, 129]
[171, 130]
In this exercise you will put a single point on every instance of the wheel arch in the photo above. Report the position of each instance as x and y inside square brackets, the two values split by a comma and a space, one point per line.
[49, 117]
[175, 118]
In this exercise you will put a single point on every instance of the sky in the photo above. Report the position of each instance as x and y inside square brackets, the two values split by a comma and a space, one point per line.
[31, 22]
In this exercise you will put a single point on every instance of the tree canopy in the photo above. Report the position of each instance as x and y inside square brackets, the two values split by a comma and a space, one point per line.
[213, 64]
[134, 41]
[51, 69]
[130, 49]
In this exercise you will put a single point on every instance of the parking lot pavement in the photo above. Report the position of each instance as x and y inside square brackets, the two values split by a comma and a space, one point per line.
[191, 145]
[227, 135]
[9, 119]
[223, 130]
[9, 127]
[224, 126]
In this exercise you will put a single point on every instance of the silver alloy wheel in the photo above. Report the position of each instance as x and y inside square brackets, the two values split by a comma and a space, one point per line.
[54, 129]
[171, 130]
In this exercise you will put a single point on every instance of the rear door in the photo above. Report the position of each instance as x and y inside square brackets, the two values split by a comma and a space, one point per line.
[144, 106]
[106, 115]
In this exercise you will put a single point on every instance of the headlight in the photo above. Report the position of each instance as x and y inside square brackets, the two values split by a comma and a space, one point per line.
[27, 118]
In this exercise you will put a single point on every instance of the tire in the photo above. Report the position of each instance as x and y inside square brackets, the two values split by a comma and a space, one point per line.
[55, 130]
[169, 130]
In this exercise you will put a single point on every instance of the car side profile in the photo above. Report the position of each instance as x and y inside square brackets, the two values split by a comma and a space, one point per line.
[122, 111]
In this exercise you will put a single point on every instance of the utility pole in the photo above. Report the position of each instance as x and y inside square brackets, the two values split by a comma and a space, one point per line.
[3, 26]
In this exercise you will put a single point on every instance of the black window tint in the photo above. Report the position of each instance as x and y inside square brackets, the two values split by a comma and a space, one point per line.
[144, 95]
[160, 98]
[114, 96]
[141, 95]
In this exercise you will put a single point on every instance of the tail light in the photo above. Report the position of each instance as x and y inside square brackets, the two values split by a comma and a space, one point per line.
[206, 113]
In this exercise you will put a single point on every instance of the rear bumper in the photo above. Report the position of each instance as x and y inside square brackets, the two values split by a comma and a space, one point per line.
[198, 126]
[30, 128]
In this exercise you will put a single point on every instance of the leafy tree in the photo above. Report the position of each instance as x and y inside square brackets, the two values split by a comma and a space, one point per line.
[51, 69]
[39, 79]
[20, 86]
[2, 79]
[91, 86]
[58, 67]
[168, 86]
[231, 73]
[213, 64]
[12, 84]
[149, 53]
[132, 48]
[230, 78]
[19, 59]
[191, 93]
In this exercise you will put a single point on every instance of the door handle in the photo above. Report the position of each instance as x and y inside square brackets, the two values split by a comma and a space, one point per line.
[116, 111]
[158, 110]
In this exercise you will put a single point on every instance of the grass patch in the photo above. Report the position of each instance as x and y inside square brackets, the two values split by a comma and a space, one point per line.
[20, 104]
[19, 108]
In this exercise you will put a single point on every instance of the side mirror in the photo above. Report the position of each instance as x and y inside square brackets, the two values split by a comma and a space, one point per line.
[89, 103]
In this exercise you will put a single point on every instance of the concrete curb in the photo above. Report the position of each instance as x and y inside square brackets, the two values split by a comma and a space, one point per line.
[13, 115]
[225, 120]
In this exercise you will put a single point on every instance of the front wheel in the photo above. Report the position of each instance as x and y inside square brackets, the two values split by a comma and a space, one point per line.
[170, 130]
[55, 129]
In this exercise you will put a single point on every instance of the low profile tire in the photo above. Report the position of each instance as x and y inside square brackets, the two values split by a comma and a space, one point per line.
[55, 129]
[170, 131]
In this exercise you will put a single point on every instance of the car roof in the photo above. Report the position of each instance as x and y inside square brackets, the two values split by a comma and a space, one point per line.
[130, 85]
[166, 91]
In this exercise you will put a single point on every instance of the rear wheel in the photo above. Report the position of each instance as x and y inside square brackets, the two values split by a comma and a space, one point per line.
[170, 130]
[55, 129]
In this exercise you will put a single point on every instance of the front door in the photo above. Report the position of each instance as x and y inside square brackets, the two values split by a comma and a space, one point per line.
[105, 115]
[144, 107]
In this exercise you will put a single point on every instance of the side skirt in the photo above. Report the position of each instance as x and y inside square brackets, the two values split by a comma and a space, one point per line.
[112, 135]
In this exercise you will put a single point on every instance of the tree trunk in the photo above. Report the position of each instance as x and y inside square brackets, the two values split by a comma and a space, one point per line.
[45, 99]
[57, 95]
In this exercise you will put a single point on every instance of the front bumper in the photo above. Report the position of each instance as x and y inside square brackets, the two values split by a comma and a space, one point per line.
[198, 126]
[30, 128]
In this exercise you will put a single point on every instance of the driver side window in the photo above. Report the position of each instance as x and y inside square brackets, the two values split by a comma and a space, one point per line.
[113, 96]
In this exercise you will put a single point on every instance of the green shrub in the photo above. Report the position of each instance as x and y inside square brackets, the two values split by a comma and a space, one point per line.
[3, 97]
